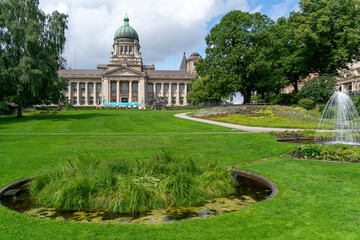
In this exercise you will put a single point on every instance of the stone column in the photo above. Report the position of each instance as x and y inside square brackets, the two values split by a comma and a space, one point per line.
[86, 93]
[95, 94]
[70, 89]
[130, 92]
[142, 92]
[78, 93]
[118, 91]
[177, 94]
[105, 89]
[342, 88]
[162, 89]
[170, 97]
[185, 95]
[154, 91]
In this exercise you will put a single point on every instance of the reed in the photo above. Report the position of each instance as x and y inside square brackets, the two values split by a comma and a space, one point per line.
[123, 185]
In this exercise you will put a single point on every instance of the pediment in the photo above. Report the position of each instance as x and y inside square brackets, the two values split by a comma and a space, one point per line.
[123, 71]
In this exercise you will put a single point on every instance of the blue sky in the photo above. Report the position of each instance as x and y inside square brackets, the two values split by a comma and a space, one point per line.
[166, 28]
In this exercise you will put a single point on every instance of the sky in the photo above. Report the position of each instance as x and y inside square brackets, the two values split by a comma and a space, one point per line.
[166, 28]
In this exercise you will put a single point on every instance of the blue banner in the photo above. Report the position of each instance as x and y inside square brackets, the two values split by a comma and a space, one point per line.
[113, 105]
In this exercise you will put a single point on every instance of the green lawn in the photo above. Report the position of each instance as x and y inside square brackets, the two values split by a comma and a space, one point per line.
[316, 200]
[103, 121]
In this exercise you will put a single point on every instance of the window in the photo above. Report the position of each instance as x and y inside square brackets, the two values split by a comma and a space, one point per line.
[173, 100]
[166, 100]
[124, 87]
[82, 86]
[124, 100]
[134, 100]
[150, 88]
[82, 102]
[181, 88]
[135, 87]
[113, 100]
[74, 101]
[66, 99]
[181, 100]
[66, 89]
[158, 87]
[113, 87]
[130, 51]
[99, 100]
[74, 87]
[91, 87]
[166, 87]
[150, 100]
[99, 88]
[173, 88]
[91, 100]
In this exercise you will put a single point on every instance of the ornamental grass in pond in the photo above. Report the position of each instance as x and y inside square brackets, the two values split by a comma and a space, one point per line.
[131, 186]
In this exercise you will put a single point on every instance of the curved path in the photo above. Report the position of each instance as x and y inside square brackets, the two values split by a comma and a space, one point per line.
[235, 126]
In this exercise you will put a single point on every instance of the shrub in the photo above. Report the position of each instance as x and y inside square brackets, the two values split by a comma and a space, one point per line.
[68, 106]
[287, 99]
[131, 186]
[356, 101]
[320, 88]
[341, 152]
[4, 108]
[321, 108]
[306, 103]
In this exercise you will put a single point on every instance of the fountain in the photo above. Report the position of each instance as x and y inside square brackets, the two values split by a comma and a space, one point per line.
[342, 119]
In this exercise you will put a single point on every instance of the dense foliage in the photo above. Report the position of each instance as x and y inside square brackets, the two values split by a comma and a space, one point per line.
[249, 52]
[238, 55]
[203, 91]
[306, 103]
[341, 152]
[287, 99]
[319, 89]
[30, 43]
[131, 186]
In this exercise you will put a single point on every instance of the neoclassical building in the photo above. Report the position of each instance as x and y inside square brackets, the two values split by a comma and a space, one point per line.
[126, 80]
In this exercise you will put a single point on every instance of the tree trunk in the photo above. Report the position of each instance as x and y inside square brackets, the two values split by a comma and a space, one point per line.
[295, 85]
[19, 111]
[247, 96]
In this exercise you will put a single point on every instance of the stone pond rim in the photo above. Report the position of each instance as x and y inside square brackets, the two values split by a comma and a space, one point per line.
[246, 174]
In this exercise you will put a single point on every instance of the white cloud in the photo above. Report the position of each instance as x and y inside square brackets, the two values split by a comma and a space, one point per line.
[282, 9]
[164, 27]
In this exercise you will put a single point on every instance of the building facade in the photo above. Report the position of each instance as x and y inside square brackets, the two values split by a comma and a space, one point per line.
[126, 80]
[349, 80]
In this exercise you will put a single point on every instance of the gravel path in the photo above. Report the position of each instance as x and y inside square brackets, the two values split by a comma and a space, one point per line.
[235, 126]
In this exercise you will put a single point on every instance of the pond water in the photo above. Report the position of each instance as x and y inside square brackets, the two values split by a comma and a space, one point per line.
[246, 192]
[297, 140]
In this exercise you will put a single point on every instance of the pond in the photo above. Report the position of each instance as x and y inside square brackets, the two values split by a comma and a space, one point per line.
[246, 192]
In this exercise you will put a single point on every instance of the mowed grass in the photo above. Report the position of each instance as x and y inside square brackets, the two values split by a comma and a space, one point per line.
[316, 200]
[103, 121]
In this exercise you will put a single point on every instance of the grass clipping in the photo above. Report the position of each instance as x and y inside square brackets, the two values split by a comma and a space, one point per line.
[130, 186]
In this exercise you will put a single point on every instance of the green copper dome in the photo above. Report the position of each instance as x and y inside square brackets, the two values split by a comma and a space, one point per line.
[125, 31]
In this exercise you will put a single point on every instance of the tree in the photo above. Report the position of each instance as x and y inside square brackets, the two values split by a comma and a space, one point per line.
[30, 42]
[239, 55]
[290, 63]
[328, 33]
[203, 91]
[319, 89]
